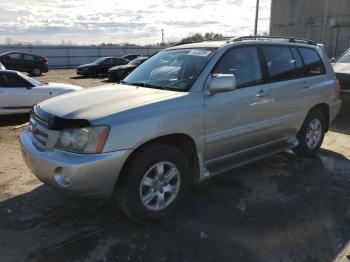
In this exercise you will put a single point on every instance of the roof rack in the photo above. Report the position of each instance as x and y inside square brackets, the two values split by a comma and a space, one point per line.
[259, 37]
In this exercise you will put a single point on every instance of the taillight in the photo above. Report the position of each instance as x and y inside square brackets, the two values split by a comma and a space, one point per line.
[45, 61]
[337, 88]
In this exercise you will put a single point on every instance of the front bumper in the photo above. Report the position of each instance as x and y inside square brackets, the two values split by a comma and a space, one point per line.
[82, 174]
[82, 72]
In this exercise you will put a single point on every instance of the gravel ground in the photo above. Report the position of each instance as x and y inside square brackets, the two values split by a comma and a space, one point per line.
[282, 208]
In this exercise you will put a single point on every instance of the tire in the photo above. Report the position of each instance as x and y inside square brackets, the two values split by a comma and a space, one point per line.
[35, 71]
[129, 192]
[310, 136]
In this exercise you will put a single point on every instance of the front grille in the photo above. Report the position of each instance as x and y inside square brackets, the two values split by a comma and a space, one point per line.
[39, 130]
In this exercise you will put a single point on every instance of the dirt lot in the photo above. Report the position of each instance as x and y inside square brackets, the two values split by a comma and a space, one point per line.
[282, 208]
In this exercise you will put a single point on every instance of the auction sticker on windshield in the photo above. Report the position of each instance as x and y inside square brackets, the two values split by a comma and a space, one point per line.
[199, 52]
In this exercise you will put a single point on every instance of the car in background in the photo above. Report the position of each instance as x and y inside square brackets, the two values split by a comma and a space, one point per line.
[100, 66]
[33, 64]
[2, 67]
[19, 93]
[118, 73]
[341, 68]
[130, 57]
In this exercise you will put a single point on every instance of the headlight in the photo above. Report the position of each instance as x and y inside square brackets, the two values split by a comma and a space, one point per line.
[79, 140]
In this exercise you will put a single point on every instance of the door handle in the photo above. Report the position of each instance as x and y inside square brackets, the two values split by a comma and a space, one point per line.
[262, 93]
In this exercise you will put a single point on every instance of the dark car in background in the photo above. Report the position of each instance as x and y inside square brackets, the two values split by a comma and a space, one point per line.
[100, 66]
[130, 57]
[341, 68]
[118, 73]
[33, 64]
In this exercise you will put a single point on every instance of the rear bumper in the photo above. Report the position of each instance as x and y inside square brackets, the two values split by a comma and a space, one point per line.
[81, 174]
[334, 109]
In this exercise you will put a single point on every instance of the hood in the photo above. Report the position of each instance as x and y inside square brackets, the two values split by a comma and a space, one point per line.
[87, 65]
[121, 67]
[341, 68]
[94, 103]
[60, 86]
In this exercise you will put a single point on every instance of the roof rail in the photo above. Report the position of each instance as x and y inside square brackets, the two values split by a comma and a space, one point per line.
[259, 37]
[224, 38]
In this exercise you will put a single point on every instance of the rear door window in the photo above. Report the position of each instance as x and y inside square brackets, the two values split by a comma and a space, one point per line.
[313, 64]
[118, 61]
[108, 61]
[28, 57]
[281, 65]
[243, 63]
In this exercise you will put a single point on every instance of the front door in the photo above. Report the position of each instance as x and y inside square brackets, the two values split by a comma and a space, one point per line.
[18, 93]
[239, 119]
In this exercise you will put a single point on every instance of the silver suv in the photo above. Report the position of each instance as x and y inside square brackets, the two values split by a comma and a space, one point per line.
[188, 113]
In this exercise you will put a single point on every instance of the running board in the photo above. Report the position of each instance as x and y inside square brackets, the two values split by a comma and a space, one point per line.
[249, 157]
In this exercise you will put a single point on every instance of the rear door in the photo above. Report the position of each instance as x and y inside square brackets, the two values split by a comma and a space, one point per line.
[29, 62]
[290, 86]
[240, 119]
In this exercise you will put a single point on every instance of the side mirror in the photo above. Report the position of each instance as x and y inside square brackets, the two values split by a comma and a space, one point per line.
[332, 60]
[222, 83]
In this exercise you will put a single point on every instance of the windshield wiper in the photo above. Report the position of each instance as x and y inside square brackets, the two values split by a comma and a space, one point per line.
[144, 84]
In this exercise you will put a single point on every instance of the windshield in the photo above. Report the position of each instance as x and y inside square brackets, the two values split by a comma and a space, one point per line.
[99, 61]
[31, 80]
[345, 58]
[171, 70]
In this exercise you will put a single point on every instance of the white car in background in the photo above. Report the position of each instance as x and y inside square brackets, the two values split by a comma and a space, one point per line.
[18, 92]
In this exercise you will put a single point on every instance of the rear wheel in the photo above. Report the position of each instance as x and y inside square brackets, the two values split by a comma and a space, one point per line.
[35, 71]
[311, 134]
[154, 184]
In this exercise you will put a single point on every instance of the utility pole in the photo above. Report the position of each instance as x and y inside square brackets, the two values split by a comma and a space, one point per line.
[256, 18]
[162, 36]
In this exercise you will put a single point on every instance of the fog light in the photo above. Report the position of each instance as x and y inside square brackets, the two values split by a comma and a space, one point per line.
[62, 178]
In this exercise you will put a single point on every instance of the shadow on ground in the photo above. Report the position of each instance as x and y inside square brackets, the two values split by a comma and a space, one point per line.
[283, 208]
[11, 120]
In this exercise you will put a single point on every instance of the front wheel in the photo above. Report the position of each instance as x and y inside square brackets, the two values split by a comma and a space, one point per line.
[311, 134]
[154, 183]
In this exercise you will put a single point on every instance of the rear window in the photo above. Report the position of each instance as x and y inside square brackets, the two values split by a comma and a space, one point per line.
[313, 64]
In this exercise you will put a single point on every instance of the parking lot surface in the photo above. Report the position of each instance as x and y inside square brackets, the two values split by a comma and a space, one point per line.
[282, 208]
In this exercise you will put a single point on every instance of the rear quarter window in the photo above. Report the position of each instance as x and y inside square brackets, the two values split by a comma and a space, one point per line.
[313, 64]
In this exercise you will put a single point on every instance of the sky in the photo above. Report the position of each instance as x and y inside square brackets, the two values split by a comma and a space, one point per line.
[121, 21]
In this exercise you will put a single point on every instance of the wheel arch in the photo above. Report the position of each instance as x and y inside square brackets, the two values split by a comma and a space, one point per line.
[183, 142]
